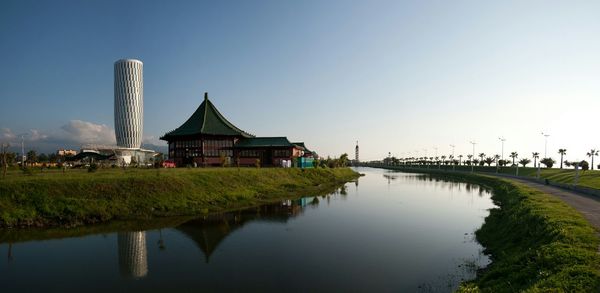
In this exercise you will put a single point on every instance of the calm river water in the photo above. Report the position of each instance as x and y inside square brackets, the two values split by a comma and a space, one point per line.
[389, 231]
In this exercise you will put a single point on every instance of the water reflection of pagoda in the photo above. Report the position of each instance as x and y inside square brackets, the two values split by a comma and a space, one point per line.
[210, 231]
[133, 256]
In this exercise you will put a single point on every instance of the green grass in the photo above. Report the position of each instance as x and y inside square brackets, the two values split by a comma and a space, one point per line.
[77, 197]
[538, 244]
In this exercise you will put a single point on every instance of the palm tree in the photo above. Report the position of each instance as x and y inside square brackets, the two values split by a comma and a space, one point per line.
[562, 152]
[524, 161]
[514, 155]
[591, 154]
[481, 158]
[496, 158]
[489, 161]
[470, 157]
[535, 156]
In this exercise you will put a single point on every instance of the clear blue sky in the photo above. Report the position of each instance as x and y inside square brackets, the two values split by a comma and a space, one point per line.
[399, 76]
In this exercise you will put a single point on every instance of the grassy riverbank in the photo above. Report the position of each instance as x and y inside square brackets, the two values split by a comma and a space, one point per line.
[537, 242]
[589, 178]
[75, 198]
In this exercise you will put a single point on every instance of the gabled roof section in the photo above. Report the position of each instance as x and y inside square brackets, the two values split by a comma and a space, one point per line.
[206, 120]
[257, 142]
[300, 145]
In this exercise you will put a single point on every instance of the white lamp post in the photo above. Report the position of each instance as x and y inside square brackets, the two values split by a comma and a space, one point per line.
[473, 158]
[545, 144]
[452, 160]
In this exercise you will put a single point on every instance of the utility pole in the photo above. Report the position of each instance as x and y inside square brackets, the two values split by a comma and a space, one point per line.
[22, 152]
[473, 158]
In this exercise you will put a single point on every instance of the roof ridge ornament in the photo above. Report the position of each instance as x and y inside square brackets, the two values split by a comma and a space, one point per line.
[205, 96]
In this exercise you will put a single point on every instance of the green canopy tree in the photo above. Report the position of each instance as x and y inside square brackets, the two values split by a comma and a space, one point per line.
[43, 158]
[4, 157]
[32, 157]
[343, 160]
[549, 162]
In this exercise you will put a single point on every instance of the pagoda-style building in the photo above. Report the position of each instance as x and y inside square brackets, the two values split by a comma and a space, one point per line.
[207, 138]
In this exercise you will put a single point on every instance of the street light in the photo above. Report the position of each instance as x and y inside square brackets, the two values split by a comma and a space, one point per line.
[452, 160]
[539, 171]
[502, 139]
[545, 144]
[436, 157]
[472, 158]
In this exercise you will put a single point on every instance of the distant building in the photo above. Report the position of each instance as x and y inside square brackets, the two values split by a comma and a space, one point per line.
[207, 138]
[66, 153]
[128, 115]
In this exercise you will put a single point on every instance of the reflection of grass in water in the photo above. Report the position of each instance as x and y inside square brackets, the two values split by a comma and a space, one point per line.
[538, 242]
[466, 269]
[34, 234]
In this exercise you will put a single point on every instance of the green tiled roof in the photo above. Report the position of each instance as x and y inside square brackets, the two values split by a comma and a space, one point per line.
[255, 142]
[306, 150]
[206, 120]
[301, 145]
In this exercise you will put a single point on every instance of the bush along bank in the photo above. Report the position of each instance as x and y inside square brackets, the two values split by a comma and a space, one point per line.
[77, 199]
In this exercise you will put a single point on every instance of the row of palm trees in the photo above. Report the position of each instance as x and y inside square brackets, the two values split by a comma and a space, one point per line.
[489, 160]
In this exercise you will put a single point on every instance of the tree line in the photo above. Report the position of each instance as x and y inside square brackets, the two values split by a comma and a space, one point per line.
[483, 159]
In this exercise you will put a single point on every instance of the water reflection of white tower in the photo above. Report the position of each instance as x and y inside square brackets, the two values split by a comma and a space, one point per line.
[133, 256]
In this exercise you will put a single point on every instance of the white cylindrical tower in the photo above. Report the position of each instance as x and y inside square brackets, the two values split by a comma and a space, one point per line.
[129, 103]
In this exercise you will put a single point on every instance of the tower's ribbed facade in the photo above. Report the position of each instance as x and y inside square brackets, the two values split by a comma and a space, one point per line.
[129, 102]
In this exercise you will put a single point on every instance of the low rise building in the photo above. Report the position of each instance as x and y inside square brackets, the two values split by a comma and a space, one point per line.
[207, 138]
[66, 153]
